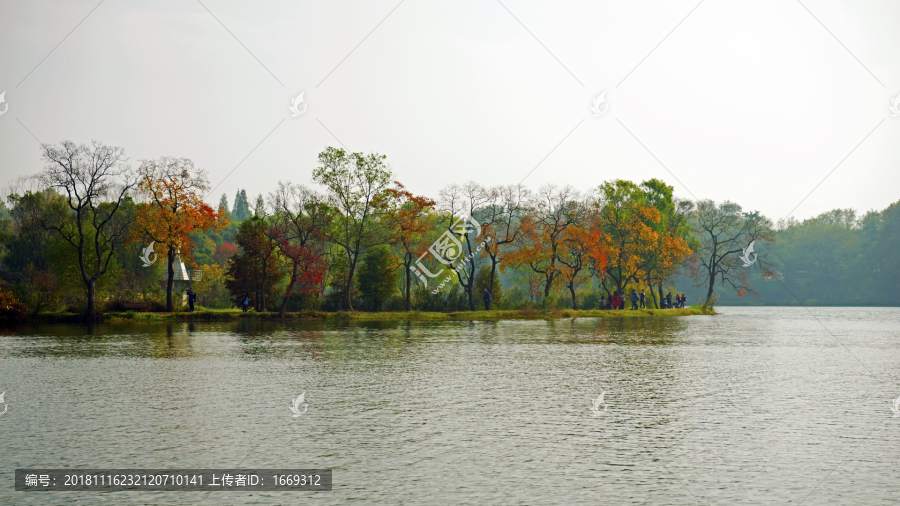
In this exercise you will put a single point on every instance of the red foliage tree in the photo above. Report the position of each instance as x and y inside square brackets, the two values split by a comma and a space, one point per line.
[223, 252]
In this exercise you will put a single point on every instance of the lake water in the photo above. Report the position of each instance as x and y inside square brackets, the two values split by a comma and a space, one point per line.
[753, 406]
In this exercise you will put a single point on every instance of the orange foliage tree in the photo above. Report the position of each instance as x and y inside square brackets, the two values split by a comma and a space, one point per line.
[582, 251]
[406, 217]
[175, 209]
[674, 235]
[538, 246]
[630, 237]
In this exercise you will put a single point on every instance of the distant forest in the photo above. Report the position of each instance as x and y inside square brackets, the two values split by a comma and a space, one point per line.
[839, 258]
[89, 234]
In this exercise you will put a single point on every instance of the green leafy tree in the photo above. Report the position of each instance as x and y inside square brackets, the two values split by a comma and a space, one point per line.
[355, 183]
[26, 242]
[377, 276]
[879, 255]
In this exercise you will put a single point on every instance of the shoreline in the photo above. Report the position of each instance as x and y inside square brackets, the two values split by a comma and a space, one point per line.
[235, 315]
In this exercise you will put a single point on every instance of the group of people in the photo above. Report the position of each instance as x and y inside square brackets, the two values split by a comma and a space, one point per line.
[639, 300]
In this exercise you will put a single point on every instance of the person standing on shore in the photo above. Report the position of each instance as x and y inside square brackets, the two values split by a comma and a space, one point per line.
[643, 298]
[245, 302]
[192, 296]
[634, 300]
[487, 300]
[669, 300]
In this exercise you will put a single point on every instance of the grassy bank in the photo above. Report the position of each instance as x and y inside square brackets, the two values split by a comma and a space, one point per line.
[235, 314]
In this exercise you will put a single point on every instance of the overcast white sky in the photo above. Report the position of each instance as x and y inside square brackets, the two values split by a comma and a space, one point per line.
[754, 102]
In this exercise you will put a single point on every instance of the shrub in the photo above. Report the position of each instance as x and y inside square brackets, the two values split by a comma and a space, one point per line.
[10, 308]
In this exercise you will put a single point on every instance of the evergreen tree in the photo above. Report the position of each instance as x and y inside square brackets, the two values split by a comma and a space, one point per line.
[241, 209]
[223, 204]
[377, 277]
[260, 208]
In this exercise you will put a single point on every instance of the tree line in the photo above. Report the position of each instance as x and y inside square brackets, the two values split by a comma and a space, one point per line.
[75, 238]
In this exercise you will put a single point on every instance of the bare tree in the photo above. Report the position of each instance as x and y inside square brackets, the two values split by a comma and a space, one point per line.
[501, 219]
[725, 232]
[95, 182]
[461, 203]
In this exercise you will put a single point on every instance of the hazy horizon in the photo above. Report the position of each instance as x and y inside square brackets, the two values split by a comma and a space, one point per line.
[753, 103]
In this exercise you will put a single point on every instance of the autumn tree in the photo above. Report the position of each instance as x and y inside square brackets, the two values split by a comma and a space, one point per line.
[582, 252]
[673, 235]
[300, 217]
[628, 225]
[355, 182]
[255, 269]
[94, 182]
[408, 224]
[175, 210]
[223, 252]
[538, 246]
[724, 232]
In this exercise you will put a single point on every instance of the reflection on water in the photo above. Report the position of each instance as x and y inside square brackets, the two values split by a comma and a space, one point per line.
[754, 406]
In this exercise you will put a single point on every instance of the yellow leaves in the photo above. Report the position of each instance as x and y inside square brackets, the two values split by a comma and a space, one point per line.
[176, 208]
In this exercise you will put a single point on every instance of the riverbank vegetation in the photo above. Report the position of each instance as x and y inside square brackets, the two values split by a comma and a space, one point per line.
[89, 237]
[203, 314]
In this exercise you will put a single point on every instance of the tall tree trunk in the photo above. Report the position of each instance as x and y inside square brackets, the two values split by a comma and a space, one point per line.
[408, 267]
[470, 284]
[491, 279]
[287, 292]
[170, 279]
[574, 299]
[661, 298]
[712, 282]
[347, 303]
[262, 295]
[709, 293]
[92, 309]
[652, 293]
